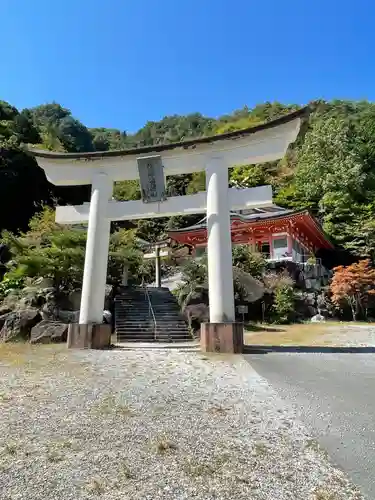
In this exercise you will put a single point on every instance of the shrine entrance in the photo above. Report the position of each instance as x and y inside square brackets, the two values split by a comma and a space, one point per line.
[151, 165]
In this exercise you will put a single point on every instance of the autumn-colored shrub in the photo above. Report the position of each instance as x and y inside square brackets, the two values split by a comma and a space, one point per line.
[353, 286]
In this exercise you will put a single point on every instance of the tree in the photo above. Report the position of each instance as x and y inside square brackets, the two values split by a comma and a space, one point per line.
[48, 250]
[353, 286]
[74, 136]
[332, 178]
[248, 176]
[123, 251]
[55, 251]
[194, 281]
[248, 261]
[247, 287]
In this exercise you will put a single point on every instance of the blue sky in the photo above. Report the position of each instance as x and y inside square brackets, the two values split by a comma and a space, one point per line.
[120, 63]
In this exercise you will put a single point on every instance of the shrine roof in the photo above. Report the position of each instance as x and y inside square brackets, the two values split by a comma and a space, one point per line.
[269, 213]
[188, 144]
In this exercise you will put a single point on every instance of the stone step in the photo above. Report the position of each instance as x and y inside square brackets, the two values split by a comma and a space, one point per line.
[135, 322]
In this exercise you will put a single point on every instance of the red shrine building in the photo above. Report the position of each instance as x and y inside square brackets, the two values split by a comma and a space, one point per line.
[277, 233]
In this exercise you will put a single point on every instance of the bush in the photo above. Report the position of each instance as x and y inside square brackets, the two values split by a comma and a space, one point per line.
[283, 305]
[248, 261]
[8, 284]
[280, 288]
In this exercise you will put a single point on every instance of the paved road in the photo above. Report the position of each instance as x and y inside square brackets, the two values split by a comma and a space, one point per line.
[335, 396]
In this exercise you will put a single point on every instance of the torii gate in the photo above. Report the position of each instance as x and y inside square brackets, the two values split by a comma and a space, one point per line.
[263, 143]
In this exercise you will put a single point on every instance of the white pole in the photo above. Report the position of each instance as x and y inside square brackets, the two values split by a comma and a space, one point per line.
[157, 268]
[219, 245]
[96, 258]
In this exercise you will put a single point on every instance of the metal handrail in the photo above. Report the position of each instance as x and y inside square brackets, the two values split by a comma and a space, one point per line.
[150, 308]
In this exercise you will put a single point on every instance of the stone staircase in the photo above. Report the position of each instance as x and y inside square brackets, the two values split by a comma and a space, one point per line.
[149, 315]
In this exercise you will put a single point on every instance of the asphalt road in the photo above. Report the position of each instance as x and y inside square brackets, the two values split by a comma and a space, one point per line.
[334, 395]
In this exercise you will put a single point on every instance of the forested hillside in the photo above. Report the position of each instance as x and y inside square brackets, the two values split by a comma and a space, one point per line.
[330, 169]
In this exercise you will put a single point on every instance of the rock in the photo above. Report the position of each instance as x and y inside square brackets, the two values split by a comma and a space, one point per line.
[109, 297]
[43, 283]
[3, 317]
[5, 309]
[318, 318]
[74, 299]
[49, 331]
[67, 316]
[18, 325]
[197, 314]
[107, 317]
[50, 312]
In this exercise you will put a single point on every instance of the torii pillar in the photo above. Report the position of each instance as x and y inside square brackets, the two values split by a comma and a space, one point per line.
[215, 155]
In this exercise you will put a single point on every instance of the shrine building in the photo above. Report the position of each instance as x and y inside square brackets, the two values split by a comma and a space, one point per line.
[277, 233]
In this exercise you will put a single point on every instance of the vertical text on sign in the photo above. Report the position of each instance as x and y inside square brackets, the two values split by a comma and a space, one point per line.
[151, 178]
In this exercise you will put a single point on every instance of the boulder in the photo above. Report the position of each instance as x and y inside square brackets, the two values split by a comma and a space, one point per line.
[3, 317]
[18, 325]
[67, 316]
[50, 312]
[107, 317]
[49, 331]
[5, 309]
[72, 301]
[318, 318]
[43, 283]
[195, 315]
[109, 297]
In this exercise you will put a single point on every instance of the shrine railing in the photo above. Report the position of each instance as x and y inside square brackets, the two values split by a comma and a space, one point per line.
[150, 310]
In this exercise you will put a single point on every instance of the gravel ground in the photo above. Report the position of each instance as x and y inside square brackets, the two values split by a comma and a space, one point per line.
[350, 335]
[152, 425]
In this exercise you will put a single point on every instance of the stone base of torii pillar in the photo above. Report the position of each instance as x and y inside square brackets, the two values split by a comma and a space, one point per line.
[222, 337]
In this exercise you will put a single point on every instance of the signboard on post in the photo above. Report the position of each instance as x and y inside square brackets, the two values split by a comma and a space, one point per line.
[153, 255]
[243, 309]
[151, 179]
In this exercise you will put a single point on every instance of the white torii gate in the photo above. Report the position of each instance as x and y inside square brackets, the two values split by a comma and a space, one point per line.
[215, 154]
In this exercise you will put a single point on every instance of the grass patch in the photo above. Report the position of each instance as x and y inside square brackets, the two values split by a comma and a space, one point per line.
[196, 469]
[164, 445]
[324, 495]
[304, 334]
[126, 472]
[260, 449]
[54, 457]
[95, 486]
[109, 405]
[42, 359]
[10, 448]
[5, 397]
[218, 410]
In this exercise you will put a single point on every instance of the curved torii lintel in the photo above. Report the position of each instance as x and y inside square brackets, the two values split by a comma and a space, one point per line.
[259, 144]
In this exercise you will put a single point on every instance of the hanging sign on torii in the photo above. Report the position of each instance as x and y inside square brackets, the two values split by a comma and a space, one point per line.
[151, 179]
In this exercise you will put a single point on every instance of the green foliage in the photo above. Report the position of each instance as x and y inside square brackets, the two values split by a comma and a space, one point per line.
[50, 250]
[247, 270]
[47, 250]
[284, 303]
[9, 284]
[194, 281]
[123, 250]
[197, 183]
[248, 261]
[248, 176]
[127, 190]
